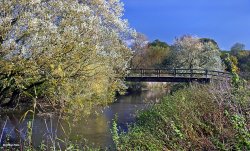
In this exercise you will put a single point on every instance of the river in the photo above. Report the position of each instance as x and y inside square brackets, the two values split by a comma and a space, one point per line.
[95, 129]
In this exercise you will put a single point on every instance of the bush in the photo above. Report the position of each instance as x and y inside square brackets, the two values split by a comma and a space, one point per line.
[196, 118]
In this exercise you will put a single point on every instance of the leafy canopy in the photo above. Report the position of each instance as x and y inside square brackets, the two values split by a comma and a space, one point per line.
[193, 52]
[69, 51]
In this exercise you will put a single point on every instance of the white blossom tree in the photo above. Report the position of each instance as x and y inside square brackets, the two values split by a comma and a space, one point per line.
[195, 53]
[70, 51]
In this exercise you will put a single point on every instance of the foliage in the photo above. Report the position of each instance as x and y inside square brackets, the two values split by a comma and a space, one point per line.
[244, 60]
[178, 86]
[158, 43]
[139, 46]
[149, 55]
[236, 48]
[186, 52]
[200, 117]
[114, 131]
[71, 52]
[243, 57]
[193, 52]
[231, 63]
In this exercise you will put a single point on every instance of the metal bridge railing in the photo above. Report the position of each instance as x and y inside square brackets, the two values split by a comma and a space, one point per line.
[191, 73]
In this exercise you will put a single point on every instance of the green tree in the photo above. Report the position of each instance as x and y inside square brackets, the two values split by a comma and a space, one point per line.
[158, 43]
[243, 56]
[236, 48]
[150, 54]
[157, 52]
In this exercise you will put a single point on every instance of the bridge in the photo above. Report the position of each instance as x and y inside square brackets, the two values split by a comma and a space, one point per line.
[176, 75]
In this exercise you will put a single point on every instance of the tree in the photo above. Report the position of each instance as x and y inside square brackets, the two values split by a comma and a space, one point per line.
[139, 48]
[158, 51]
[231, 63]
[158, 43]
[149, 54]
[243, 57]
[193, 52]
[236, 48]
[71, 52]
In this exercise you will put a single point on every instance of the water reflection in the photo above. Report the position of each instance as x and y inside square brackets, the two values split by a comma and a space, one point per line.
[96, 128]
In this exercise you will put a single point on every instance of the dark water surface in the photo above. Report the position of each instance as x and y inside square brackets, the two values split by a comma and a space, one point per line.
[95, 129]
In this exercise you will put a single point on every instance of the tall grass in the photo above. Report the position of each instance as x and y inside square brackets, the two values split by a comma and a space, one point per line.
[49, 142]
[198, 117]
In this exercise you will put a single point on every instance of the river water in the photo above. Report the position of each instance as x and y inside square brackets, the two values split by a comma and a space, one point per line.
[95, 129]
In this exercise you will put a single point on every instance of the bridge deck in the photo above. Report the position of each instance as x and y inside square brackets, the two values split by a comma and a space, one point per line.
[175, 75]
[167, 79]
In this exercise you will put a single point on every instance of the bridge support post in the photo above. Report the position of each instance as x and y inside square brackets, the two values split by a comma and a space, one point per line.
[191, 73]
[142, 72]
[206, 72]
[174, 72]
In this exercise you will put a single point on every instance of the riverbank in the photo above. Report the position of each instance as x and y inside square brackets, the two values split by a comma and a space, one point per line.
[213, 117]
[45, 106]
[194, 117]
[95, 128]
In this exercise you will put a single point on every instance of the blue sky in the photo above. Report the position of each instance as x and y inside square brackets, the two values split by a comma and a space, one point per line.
[225, 21]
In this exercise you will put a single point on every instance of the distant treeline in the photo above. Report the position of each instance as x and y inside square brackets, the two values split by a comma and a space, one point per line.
[190, 52]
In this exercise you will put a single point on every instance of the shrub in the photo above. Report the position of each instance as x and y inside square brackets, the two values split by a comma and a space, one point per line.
[199, 117]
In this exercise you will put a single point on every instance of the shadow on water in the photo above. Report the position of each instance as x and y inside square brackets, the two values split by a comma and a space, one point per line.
[95, 129]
